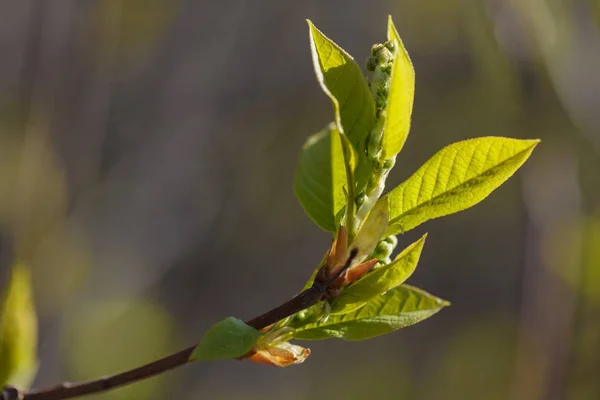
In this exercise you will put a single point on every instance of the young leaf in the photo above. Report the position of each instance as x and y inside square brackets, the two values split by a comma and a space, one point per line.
[456, 178]
[371, 230]
[342, 80]
[400, 98]
[321, 178]
[380, 280]
[18, 331]
[230, 338]
[398, 308]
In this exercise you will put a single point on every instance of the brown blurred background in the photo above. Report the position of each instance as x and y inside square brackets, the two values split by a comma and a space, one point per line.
[147, 151]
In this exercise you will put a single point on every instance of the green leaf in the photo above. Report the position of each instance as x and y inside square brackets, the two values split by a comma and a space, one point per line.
[398, 308]
[230, 338]
[342, 80]
[321, 177]
[380, 280]
[371, 230]
[400, 98]
[18, 331]
[456, 178]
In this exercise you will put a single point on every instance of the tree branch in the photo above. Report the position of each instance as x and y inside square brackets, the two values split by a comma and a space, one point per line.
[307, 298]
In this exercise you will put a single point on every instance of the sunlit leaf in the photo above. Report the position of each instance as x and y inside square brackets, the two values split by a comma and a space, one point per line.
[342, 80]
[380, 280]
[321, 178]
[400, 98]
[230, 338]
[456, 178]
[18, 331]
[371, 230]
[398, 308]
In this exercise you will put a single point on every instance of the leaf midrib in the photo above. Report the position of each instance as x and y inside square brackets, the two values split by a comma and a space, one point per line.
[377, 318]
[424, 204]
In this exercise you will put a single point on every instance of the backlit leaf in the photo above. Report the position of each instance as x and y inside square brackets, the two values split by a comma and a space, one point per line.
[400, 98]
[456, 178]
[380, 280]
[321, 179]
[398, 308]
[342, 80]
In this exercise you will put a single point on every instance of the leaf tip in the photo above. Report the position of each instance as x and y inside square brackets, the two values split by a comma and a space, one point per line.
[532, 144]
[392, 32]
[419, 244]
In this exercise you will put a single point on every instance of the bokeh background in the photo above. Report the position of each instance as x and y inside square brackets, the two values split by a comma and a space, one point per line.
[147, 152]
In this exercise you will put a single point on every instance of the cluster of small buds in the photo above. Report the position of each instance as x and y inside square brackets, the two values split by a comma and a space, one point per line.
[384, 249]
[379, 66]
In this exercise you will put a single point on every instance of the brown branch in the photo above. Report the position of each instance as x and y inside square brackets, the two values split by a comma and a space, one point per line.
[307, 298]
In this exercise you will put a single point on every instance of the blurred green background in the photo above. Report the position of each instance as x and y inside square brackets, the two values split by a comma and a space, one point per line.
[147, 151]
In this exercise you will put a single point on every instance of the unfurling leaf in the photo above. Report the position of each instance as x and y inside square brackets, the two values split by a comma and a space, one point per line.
[280, 355]
[321, 178]
[371, 231]
[379, 280]
[342, 80]
[456, 178]
[400, 98]
[398, 308]
[338, 252]
[230, 338]
[18, 331]
[358, 271]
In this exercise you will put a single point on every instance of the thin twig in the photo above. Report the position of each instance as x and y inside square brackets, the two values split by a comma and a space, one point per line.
[67, 390]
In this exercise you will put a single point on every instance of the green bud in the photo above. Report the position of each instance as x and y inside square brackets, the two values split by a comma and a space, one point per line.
[385, 56]
[392, 239]
[360, 200]
[386, 261]
[386, 69]
[374, 143]
[391, 46]
[376, 49]
[383, 250]
[372, 64]
[302, 315]
[382, 91]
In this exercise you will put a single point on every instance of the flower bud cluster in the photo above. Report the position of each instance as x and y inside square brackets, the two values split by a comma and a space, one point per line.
[379, 66]
[384, 249]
